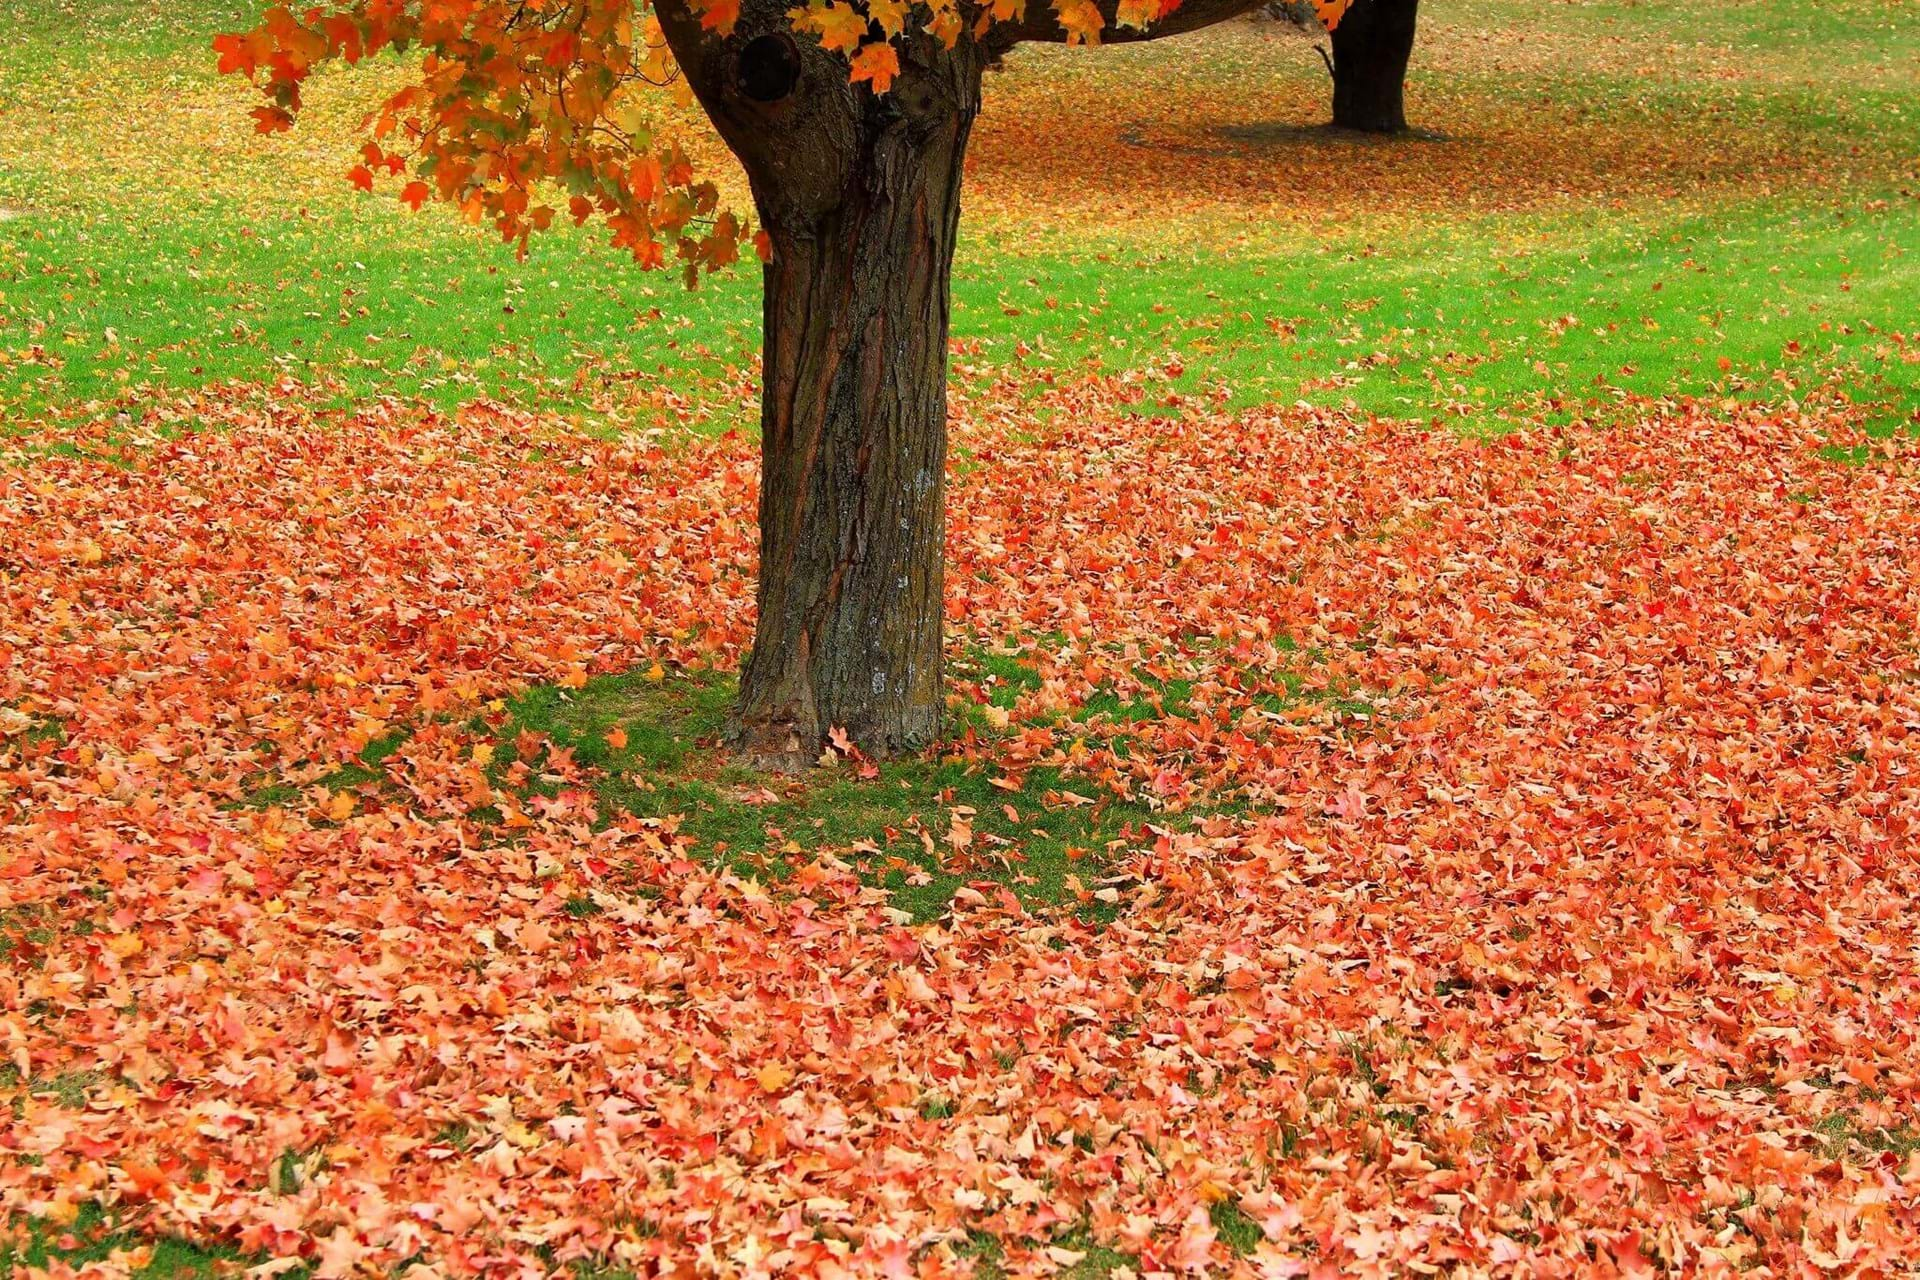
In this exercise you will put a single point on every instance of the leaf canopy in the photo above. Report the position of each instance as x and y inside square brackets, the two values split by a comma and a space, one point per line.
[527, 111]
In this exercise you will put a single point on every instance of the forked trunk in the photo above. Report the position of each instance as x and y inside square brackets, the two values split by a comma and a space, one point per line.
[859, 195]
[1371, 48]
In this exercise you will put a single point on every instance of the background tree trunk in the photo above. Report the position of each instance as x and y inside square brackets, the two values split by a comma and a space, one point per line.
[860, 197]
[1371, 49]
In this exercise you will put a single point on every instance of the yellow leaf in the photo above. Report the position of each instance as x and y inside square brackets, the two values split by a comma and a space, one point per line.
[890, 14]
[839, 27]
[1081, 20]
[775, 1076]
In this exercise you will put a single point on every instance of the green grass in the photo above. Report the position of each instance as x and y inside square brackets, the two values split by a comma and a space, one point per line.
[363, 771]
[125, 283]
[67, 1089]
[137, 306]
[1805, 41]
[1042, 834]
[1034, 833]
[1469, 325]
[95, 1235]
[1478, 321]
[1239, 1231]
[1842, 1136]
[921, 827]
[1097, 1262]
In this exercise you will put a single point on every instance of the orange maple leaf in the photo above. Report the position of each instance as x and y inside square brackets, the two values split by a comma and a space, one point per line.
[876, 64]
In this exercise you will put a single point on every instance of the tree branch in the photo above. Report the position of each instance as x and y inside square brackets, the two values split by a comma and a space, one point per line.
[1042, 26]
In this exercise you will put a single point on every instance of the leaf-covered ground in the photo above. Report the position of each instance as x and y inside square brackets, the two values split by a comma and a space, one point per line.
[1361, 848]
[1526, 880]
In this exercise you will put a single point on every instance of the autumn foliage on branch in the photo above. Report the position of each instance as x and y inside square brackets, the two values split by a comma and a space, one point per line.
[509, 97]
[526, 111]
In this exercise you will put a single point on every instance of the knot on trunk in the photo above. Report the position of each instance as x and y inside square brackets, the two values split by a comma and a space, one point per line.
[767, 69]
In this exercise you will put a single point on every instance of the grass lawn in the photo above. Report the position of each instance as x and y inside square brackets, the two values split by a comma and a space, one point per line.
[1765, 246]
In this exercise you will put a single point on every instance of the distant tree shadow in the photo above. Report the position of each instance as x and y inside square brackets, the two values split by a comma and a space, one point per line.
[1277, 134]
[1237, 139]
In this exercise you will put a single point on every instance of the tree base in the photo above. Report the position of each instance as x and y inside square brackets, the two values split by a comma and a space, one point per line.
[771, 749]
[1408, 133]
[785, 747]
[1373, 128]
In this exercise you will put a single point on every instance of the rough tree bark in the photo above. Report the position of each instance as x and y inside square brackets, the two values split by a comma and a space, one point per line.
[859, 194]
[1371, 49]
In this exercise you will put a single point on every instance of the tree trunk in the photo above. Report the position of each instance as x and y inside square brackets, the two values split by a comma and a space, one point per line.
[859, 194]
[1371, 48]
[860, 197]
[853, 453]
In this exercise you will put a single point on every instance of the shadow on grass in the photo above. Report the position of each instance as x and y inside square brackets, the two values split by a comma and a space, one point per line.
[653, 745]
[921, 827]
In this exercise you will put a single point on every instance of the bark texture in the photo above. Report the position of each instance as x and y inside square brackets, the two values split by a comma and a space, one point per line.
[1371, 48]
[860, 196]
